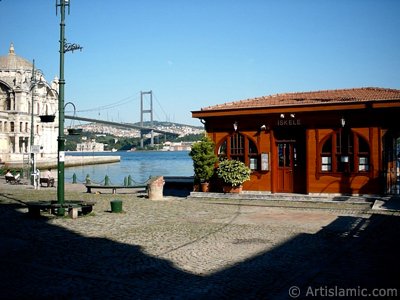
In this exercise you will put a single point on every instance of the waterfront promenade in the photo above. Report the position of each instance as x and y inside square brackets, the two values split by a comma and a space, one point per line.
[70, 161]
[199, 248]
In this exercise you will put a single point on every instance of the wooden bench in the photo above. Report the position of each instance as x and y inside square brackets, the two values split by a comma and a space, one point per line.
[114, 188]
[73, 207]
[47, 181]
[12, 180]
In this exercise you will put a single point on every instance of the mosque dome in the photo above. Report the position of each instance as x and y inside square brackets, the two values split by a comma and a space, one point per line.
[13, 61]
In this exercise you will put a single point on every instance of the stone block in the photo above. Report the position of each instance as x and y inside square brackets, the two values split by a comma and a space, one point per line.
[155, 188]
[73, 212]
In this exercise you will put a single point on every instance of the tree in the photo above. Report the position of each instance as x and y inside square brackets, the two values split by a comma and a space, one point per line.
[204, 159]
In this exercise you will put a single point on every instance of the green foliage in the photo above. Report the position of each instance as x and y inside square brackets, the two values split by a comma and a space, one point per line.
[3, 171]
[70, 145]
[125, 143]
[189, 138]
[204, 159]
[233, 172]
[110, 142]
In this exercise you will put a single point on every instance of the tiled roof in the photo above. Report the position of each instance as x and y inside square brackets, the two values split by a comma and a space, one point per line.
[310, 98]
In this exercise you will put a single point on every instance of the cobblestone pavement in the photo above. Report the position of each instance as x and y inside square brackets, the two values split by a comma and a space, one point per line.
[190, 249]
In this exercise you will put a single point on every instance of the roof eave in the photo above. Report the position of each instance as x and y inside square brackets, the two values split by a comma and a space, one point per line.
[296, 108]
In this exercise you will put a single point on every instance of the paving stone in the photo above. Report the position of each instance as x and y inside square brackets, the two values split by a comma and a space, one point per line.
[188, 248]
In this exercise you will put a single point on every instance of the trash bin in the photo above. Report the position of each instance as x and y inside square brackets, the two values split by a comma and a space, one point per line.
[116, 206]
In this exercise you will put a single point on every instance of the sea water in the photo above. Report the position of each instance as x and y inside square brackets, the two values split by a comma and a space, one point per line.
[140, 165]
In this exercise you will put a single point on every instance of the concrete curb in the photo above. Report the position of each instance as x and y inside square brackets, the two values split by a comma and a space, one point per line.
[70, 161]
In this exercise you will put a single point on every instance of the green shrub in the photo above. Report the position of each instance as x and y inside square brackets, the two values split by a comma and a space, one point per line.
[233, 172]
[204, 159]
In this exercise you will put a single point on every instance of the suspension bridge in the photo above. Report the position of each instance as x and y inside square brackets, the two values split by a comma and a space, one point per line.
[143, 129]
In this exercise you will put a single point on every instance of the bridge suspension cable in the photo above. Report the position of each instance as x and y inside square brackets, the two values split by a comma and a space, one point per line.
[121, 102]
[111, 105]
[159, 104]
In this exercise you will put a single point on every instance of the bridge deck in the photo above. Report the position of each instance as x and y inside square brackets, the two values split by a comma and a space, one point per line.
[122, 125]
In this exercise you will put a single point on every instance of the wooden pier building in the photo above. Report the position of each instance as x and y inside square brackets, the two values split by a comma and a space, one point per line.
[323, 142]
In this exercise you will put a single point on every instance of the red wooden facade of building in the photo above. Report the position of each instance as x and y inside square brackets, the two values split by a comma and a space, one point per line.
[335, 141]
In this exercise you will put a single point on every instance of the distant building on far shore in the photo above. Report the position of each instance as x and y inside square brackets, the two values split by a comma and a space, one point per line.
[179, 146]
[90, 146]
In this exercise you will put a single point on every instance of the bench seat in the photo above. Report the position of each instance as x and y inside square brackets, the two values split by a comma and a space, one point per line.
[12, 180]
[47, 181]
[85, 207]
[114, 188]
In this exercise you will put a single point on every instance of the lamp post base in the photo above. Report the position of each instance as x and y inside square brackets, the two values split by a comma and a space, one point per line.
[61, 211]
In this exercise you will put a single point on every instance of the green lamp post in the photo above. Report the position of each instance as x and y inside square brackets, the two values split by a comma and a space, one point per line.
[64, 47]
[32, 163]
[33, 149]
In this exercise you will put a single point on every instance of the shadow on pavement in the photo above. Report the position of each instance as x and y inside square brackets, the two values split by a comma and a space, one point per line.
[40, 260]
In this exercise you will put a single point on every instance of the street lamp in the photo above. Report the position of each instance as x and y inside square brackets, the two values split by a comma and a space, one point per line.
[64, 47]
[34, 83]
[33, 166]
[73, 131]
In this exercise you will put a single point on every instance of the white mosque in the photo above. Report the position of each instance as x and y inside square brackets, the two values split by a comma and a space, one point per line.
[25, 97]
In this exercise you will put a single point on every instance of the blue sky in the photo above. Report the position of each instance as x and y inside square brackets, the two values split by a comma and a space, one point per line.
[193, 54]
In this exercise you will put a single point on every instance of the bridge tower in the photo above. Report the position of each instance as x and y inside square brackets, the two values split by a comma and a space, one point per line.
[148, 110]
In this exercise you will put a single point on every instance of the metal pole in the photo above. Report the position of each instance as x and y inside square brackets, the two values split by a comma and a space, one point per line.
[151, 119]
[64, 47]
[61, 138]
[32, 168]
[141, 120]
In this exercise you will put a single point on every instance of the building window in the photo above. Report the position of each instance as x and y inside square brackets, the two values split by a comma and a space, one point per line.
[363, 155]
[344, 151]
[222, 150]
[326, 163]
[326, 155]
[239, 147]
[253, 156]
[284, 157]
[12, 129]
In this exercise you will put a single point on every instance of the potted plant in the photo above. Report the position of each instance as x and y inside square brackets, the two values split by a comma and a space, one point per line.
[204, 159]
[47, 118]
[233, 173]
[74, 131]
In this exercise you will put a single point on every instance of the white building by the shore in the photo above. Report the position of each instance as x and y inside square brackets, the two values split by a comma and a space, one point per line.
[177, 146]
[17, 91]
[90, 146]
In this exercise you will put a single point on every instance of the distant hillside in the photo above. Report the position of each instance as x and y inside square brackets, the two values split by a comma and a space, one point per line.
[166, 124]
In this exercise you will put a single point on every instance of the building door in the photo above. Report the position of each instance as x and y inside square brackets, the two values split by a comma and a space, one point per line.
[286, 156]
[391, 166]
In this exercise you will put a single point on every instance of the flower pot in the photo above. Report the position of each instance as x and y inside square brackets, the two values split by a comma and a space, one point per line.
[205, 187]
[47, 118]
[233, 173]
[74, 131]
[232, 189]
[196, 187]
